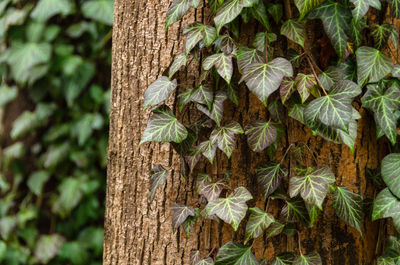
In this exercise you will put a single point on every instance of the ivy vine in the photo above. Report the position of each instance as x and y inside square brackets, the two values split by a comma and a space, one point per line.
[362, 69]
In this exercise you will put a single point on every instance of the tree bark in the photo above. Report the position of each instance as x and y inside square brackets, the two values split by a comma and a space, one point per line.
[140, 232]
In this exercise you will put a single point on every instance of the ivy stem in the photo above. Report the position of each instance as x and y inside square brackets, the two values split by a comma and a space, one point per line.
[212, 250]
[299, 242]
[315, 75]
[286, 152]
[312, 153]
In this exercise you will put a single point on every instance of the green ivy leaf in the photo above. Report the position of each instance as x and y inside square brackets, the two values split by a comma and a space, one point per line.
[310, 259]
[336, 20]
[386, 261]
[180, 214]
[382, 33]
[384, 104]
[286, 258]
[211, 190]
[362, 6]
[387, 205]
[394, 8]
[163, 127]
[312, 187]
[330, 76]
[304, 83]
[335, 108]
[295, 210]
[235, 254]
[294, 30]
[229, 10]
[45, 9]
[203, 95]
[263, 79]
[158, 176]
[224, 136]
[223, 64]
[258, 222]
[313, 213]
[390, 170]
[196, 32]
[269, 177]
[395, 71]
[217, 108]
[259, 12]
[99, 10]
[276, 11]
[305, 6]
[287, 88]
[260, 135]
[247, 56]
[356, 28]
[208, 149]
[179, 61]
[372, 65]
[232, 209]
[159, 91]
[348, 206]
[195, 259]
[177, 10]
[275, 229]
[48, 246]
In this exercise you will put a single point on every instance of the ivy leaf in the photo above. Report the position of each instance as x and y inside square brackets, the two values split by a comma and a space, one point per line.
[396, 71]
[386, 261]
[180, 214]
[235, 254]
[159, 91]
[177, 10]
[287, 88]
[362, 6]
[390, 170]
[184, 98]
[226, 44]
[394, 8]
[211, 190]
[372, 65]
[330, 76]
[295, 210]
[163, 127]
[247, 56]
[223, 64]
[229, 10]
[258, 222]
[294, 31]
[276, 11]
[387, 205]
[313, 213]
[203, 95]
[335, 108]
[207, 261]
[275, 229]
[196, 32]
[384, 104]
[310, 259]
[348, 206]
[179, 61]
[269, 176]
[217, 108]
[304, 83]
[232, 209]
[260, 135]
[336, 20]
[158, 177]
[382, 33]
[312, 187]
[224, 136]
[208, 149]
[263, 79]
[356, 28]
[259, 12]
[286, 258]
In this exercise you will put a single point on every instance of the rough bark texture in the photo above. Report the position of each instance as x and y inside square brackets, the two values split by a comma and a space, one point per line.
[139, 232]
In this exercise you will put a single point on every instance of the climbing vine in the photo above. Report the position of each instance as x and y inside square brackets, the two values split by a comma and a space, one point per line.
[362, 70]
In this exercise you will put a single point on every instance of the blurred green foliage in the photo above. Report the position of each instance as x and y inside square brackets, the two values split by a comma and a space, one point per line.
[54, 95]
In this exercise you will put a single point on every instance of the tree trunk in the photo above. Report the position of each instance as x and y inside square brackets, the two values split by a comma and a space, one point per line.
[140, 232]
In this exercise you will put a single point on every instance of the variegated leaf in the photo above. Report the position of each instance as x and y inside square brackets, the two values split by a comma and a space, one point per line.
[179, 61]
[229, 10]
[247, 56]
[224, 136]
[217, 108]
[310, 259]
[394, 8]
[330, 76]
[203, 95]
[260, 135]
[235, 254]
[180, 214]
[385, 105]
[336, 20]
[362, 6]
[263, 79]
[258, 222]
[163, 127]
[159, 91]
[396, 71]
[348, 206]
[387, 205]
[386, 261]
[335, 108]
[286, 258]
[382, 33]
[390, 170]
[269, 177]
[275, 229]
[231, 209]
[177, 10]
[304, 83]
[208, 149]
[372, 65]
[294, 31]
[276, 11]
[259, 12]
[158, 177]
[313, 213]
[223, 64]
[295, 210]
[305, 6]
[196, 32]
[287, 88]
[312, 187]
[211, 190]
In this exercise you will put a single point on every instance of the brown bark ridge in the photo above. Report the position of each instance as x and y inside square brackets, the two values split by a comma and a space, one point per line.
[140, 232]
